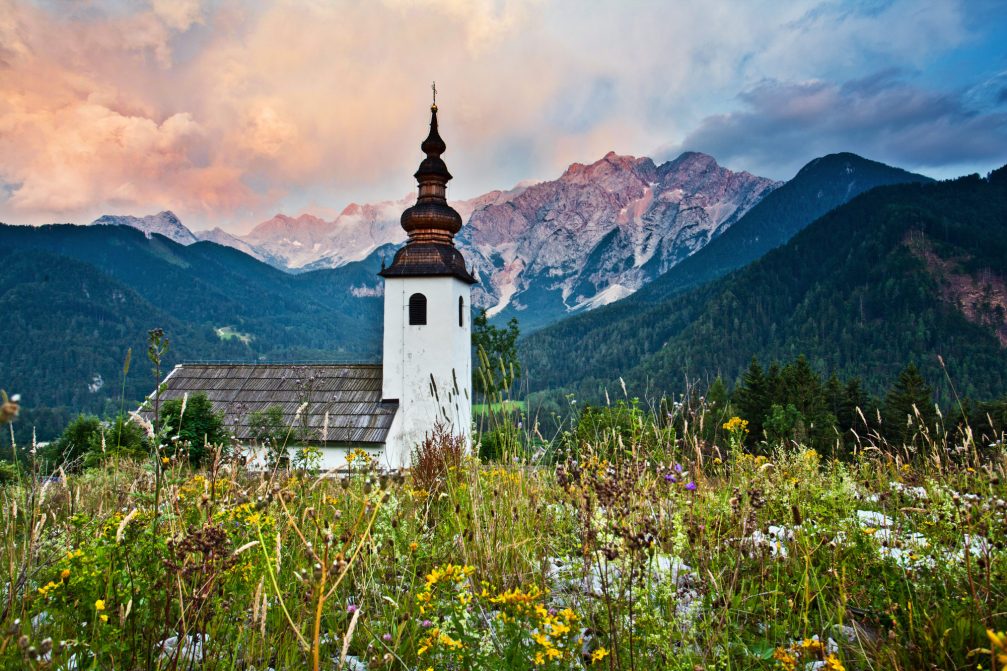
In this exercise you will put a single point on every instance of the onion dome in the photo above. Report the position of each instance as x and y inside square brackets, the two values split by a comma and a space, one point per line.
[431, 223]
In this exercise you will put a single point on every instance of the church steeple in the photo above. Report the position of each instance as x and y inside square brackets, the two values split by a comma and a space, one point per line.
[431, 223]
[426, 363]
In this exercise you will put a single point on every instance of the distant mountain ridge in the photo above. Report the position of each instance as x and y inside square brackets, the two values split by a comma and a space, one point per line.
[820, 186]
[902, 272]
[549, 248]
[163, 223]
[600, 232]
[542, 250]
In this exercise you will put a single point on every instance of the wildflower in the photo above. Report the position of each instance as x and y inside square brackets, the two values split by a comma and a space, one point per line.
[64, 574]
[558, 629]
[426, 624]
[99, 605]
[998, 646]
[352, 608]
[669, 478]
[736, 425]
[832, 663]
[785, 659]
[598, 655]
[104, 618]
[691, 486]
[387, 638]
[413, 546]
[165, 460]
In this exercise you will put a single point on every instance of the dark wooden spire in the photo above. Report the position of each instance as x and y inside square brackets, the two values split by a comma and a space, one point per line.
[431, 223]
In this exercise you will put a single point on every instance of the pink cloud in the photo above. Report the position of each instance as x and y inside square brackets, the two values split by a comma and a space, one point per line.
[228, 112]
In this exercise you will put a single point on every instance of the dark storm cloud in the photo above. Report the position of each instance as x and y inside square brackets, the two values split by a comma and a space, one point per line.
[784, 124]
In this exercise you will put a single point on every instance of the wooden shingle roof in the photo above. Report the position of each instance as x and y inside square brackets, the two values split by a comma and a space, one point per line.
[350, 394]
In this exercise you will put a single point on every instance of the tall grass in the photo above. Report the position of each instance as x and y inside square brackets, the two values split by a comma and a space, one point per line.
[631, 544]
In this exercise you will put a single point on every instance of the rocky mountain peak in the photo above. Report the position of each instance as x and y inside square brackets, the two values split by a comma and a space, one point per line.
[609, 166]
[163, 223]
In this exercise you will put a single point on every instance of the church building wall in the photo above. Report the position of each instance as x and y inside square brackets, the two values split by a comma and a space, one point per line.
[426, 367]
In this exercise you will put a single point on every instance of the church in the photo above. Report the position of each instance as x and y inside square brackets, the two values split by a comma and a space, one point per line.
[424, 378]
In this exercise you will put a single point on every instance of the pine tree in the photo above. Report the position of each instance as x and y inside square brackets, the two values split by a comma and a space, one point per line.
[752, 399]
[909, 402]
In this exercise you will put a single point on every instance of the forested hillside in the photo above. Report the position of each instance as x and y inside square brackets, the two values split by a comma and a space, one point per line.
[905, 272]
[75, 299]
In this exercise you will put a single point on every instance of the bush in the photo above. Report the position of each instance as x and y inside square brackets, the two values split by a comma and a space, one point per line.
[439, 452]
[70, 449]
[195, 430]
[81, 443]
[124, 439]
[268, 428]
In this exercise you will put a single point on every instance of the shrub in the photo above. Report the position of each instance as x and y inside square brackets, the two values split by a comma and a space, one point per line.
[87, 440]
[434, 458]
[74, 443]
[195, 430]
[269, 430]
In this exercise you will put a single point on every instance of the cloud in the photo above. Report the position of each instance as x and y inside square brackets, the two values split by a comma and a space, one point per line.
[227, 112]
[783, 124]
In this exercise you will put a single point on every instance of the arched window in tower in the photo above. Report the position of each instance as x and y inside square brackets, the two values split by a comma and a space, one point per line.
[461, 311]
[417, 310]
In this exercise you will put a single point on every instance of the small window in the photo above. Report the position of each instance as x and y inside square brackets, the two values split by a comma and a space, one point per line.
[461, 311]
[417, 310]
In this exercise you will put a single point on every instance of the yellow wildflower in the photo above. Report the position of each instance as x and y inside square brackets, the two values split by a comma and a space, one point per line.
[64, 574]
[785, 659]
[598, 655]
[998, 646]
[558, 629]
[832, 663]
[736, 424]
[99, 605]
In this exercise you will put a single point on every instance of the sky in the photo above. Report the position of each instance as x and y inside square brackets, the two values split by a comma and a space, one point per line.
[228, 112]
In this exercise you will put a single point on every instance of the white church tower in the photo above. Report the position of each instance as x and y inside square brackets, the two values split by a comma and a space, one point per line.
[427, 362]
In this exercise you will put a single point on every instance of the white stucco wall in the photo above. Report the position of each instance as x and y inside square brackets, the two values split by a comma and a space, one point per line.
[332, 458]
[427, 368]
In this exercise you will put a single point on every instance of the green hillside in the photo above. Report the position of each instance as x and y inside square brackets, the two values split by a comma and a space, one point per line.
[902, 272]
[75, 299]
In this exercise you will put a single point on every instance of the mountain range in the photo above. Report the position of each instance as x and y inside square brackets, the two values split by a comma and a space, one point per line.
[542, 250]
[667, 236]
[903, 272]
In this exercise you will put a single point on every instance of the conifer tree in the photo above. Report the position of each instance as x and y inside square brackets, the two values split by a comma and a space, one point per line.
[909, 401]
[752, 399]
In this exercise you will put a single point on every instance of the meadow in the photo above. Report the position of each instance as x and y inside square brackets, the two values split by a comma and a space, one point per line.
[639, 547]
